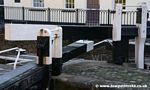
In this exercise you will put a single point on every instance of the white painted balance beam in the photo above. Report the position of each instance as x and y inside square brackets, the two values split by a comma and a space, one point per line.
[24, 32]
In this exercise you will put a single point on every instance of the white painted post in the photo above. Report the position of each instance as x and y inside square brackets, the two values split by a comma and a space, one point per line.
[140, 40]
[117, 23]
[143, 26]
[57, 48]
[55, 43]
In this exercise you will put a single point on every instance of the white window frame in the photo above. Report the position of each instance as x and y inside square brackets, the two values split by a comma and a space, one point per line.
[118, 2]
[38, 3]
[72, 5]
[17, 1]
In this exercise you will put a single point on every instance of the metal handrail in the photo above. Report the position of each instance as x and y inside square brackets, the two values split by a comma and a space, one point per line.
[16, 60]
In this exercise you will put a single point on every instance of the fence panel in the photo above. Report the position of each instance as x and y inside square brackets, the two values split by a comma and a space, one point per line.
[35, 14]
[13, 13]
[78, 16]
[129, 17]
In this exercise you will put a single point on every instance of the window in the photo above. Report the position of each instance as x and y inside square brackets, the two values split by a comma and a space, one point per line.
[69, 4]
[17, 1]
[38, 3]
[123, 2]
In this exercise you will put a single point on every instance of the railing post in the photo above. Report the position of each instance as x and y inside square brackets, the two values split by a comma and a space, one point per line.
[77, 15]
[48, 15]
[23, 12]
[2, 13]
[108, 16]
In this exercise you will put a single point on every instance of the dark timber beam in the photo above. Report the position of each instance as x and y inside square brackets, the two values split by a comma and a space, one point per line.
[77, 48]
[120, 51]
[73, 50]
[86, 32]
[93, 33]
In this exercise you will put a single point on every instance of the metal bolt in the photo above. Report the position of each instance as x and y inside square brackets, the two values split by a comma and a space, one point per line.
[45, 31]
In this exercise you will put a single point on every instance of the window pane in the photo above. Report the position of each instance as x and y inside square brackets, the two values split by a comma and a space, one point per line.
[35, 5]
[120, 1]
[116, 1]
[38, 3]
[72, 1]
[123, 2]
[73, 6]
[69, 3]
[17, 1]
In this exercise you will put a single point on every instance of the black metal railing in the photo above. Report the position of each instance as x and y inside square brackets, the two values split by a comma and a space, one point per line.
[129, 17]
[71, 16]
[148, 15]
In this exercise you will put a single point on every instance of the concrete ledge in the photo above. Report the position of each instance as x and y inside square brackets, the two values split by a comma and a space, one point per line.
[85, 75]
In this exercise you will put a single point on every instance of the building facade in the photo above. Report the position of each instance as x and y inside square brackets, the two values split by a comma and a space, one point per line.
[80, 4]
[47, 3]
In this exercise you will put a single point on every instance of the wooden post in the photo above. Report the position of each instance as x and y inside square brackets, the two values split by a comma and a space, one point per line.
[117, 23]
[120, 51]
[50, 52]
[118, 55]
[57, 53]
[140, 40]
